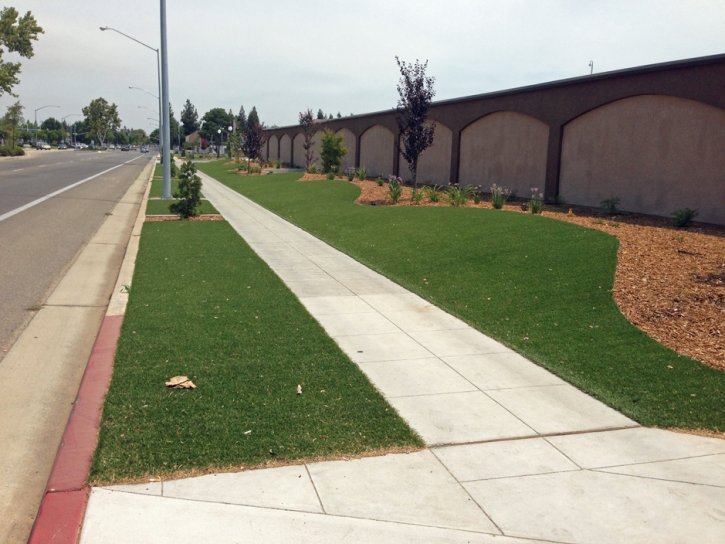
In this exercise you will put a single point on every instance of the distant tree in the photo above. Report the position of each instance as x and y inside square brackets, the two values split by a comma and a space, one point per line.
[101, 117]
[332, 151]
[12, 119]
[138, 136]
[174, 127]
[51, 123]
[241, 120]
[307, 122]
[339, 115]
[234, 145]
[416, 92]
[215, 119]
[189, 118]
[330, 117]
[320, 114]
[253, 138]
[16, 36]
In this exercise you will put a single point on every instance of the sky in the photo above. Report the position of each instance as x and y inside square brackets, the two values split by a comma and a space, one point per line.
[284, 56]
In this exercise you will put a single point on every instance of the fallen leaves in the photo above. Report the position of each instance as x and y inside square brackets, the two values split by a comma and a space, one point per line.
[180, 382]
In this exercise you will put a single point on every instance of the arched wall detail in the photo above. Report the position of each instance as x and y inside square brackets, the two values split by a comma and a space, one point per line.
[656, 153]
[298, 152]
[377, 151]
[434, 164]
[273, 148]
[507, 148]
[349, 139]
[285, 148]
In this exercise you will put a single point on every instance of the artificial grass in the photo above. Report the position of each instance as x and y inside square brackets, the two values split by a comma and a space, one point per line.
[161, 207]
[204, 305]
[540, 286]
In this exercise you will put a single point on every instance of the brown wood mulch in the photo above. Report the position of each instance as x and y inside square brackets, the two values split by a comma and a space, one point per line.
[167, 217]
[669, 282]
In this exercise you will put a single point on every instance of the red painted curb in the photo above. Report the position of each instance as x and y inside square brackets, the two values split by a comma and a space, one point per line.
[61, 512]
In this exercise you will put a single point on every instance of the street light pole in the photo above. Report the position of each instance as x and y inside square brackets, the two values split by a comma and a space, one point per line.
[166, 193]
[70, 115]
[36, 119]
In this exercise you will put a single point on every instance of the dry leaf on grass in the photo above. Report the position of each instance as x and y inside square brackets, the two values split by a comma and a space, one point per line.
[180, 382]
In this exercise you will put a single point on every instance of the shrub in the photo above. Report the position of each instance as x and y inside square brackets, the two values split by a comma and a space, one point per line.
[610, 204]
[350, 173]
[476, 194]
[432, 191]
[395, 188]
[312, 169]
[255, 170]
[7, 151]
[188, 193]
[174, 169]
[684, 217]
[417, 196]
[278, 164]
[499, 196]
[456, 195]
[330, 175]
[536, 205]
[362, 173]
[332, 150]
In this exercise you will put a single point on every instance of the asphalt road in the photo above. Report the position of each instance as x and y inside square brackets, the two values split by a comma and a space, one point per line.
[38, 244]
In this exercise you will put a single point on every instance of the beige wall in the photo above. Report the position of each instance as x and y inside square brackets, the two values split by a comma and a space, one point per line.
[376, 151]
[656, 153]
[316, 143]
[434, 164]
[299, 151]
[506, 148]
[264, 151]
[273, 148]
[348, 160]
[285, 148]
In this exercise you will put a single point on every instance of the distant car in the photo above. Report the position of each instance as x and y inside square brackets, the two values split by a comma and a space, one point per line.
[62, 146]
[92, 146]
[42, 145]
[144, 149]
[125, 148]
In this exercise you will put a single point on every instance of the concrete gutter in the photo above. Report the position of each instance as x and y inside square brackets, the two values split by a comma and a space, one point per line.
[41, 373]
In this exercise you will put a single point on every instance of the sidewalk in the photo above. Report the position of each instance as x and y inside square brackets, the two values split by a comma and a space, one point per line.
[513, 450]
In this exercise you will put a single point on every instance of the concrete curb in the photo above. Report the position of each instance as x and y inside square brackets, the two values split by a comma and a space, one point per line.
[61, 511]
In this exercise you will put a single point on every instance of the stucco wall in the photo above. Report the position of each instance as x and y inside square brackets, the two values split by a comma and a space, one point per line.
[285, 148]
[299, 151]
[273, 142]
[506, 148]
[656, 153]
[434, 164]
[349, 160]
[377, 151]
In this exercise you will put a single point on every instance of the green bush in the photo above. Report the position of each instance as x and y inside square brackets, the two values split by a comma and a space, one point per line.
[7, 151]
[432, 191]
[417, 196]
[188, 193]
[362, 173]
[332, 150]
[312, 169]
[684, 217]
[330, 175]
[499, 196]
[380, 181]
[395, 188]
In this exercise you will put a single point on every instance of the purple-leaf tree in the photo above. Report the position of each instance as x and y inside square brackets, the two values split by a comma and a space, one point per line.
[254, 139]
[416, 93]
[307, 122]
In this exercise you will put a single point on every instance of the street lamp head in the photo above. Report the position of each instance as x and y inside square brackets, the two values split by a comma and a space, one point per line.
[104, 28]
[229, 128]
[219, 131]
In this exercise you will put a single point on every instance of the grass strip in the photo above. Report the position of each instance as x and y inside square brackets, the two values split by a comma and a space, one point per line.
[161, 207]
[204, 305]
[540, 286]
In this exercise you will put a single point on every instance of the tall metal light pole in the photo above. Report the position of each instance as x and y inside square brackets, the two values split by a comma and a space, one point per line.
[166, 192]
[36, 118]
[158, 67]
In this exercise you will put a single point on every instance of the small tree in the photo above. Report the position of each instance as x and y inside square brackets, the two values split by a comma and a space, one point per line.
[188, 193]
[101, 117]
[189, 118]
[320, 114]
[307, 122]
[12, 119]
[416, 92]
[241, 120]
[253, 138]
[332, 151]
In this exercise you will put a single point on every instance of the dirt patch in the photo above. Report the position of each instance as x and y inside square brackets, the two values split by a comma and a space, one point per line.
[669, 282]
[167, 217]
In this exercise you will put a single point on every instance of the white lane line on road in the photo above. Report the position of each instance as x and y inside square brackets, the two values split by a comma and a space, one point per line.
[42, 165]
[16, 211]
[18, 169]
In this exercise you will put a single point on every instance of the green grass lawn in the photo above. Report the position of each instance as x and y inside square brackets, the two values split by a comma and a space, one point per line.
[161, 207]
[202, 304]
[540, 286]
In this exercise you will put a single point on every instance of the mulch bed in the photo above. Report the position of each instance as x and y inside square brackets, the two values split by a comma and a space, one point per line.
[167, 217]
[669, 282]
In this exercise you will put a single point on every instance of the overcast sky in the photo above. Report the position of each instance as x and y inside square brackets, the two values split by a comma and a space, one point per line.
[283, 56]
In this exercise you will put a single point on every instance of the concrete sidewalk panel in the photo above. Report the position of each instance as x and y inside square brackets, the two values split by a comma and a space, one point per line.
[504, 370]
[593, 507]
[288, 488]
[149, 488]
[382, 347]
[458, 418]
[326, 288]
[559, 409]
[631, 446]
[458, 342]
[425, 319]
[708, 470]
[123, 518]
[415, 377]
[413, 488]
[86, 283]
[503, 459]
[397, 303]
[356, 324]
[336, 305]
[377, 286]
